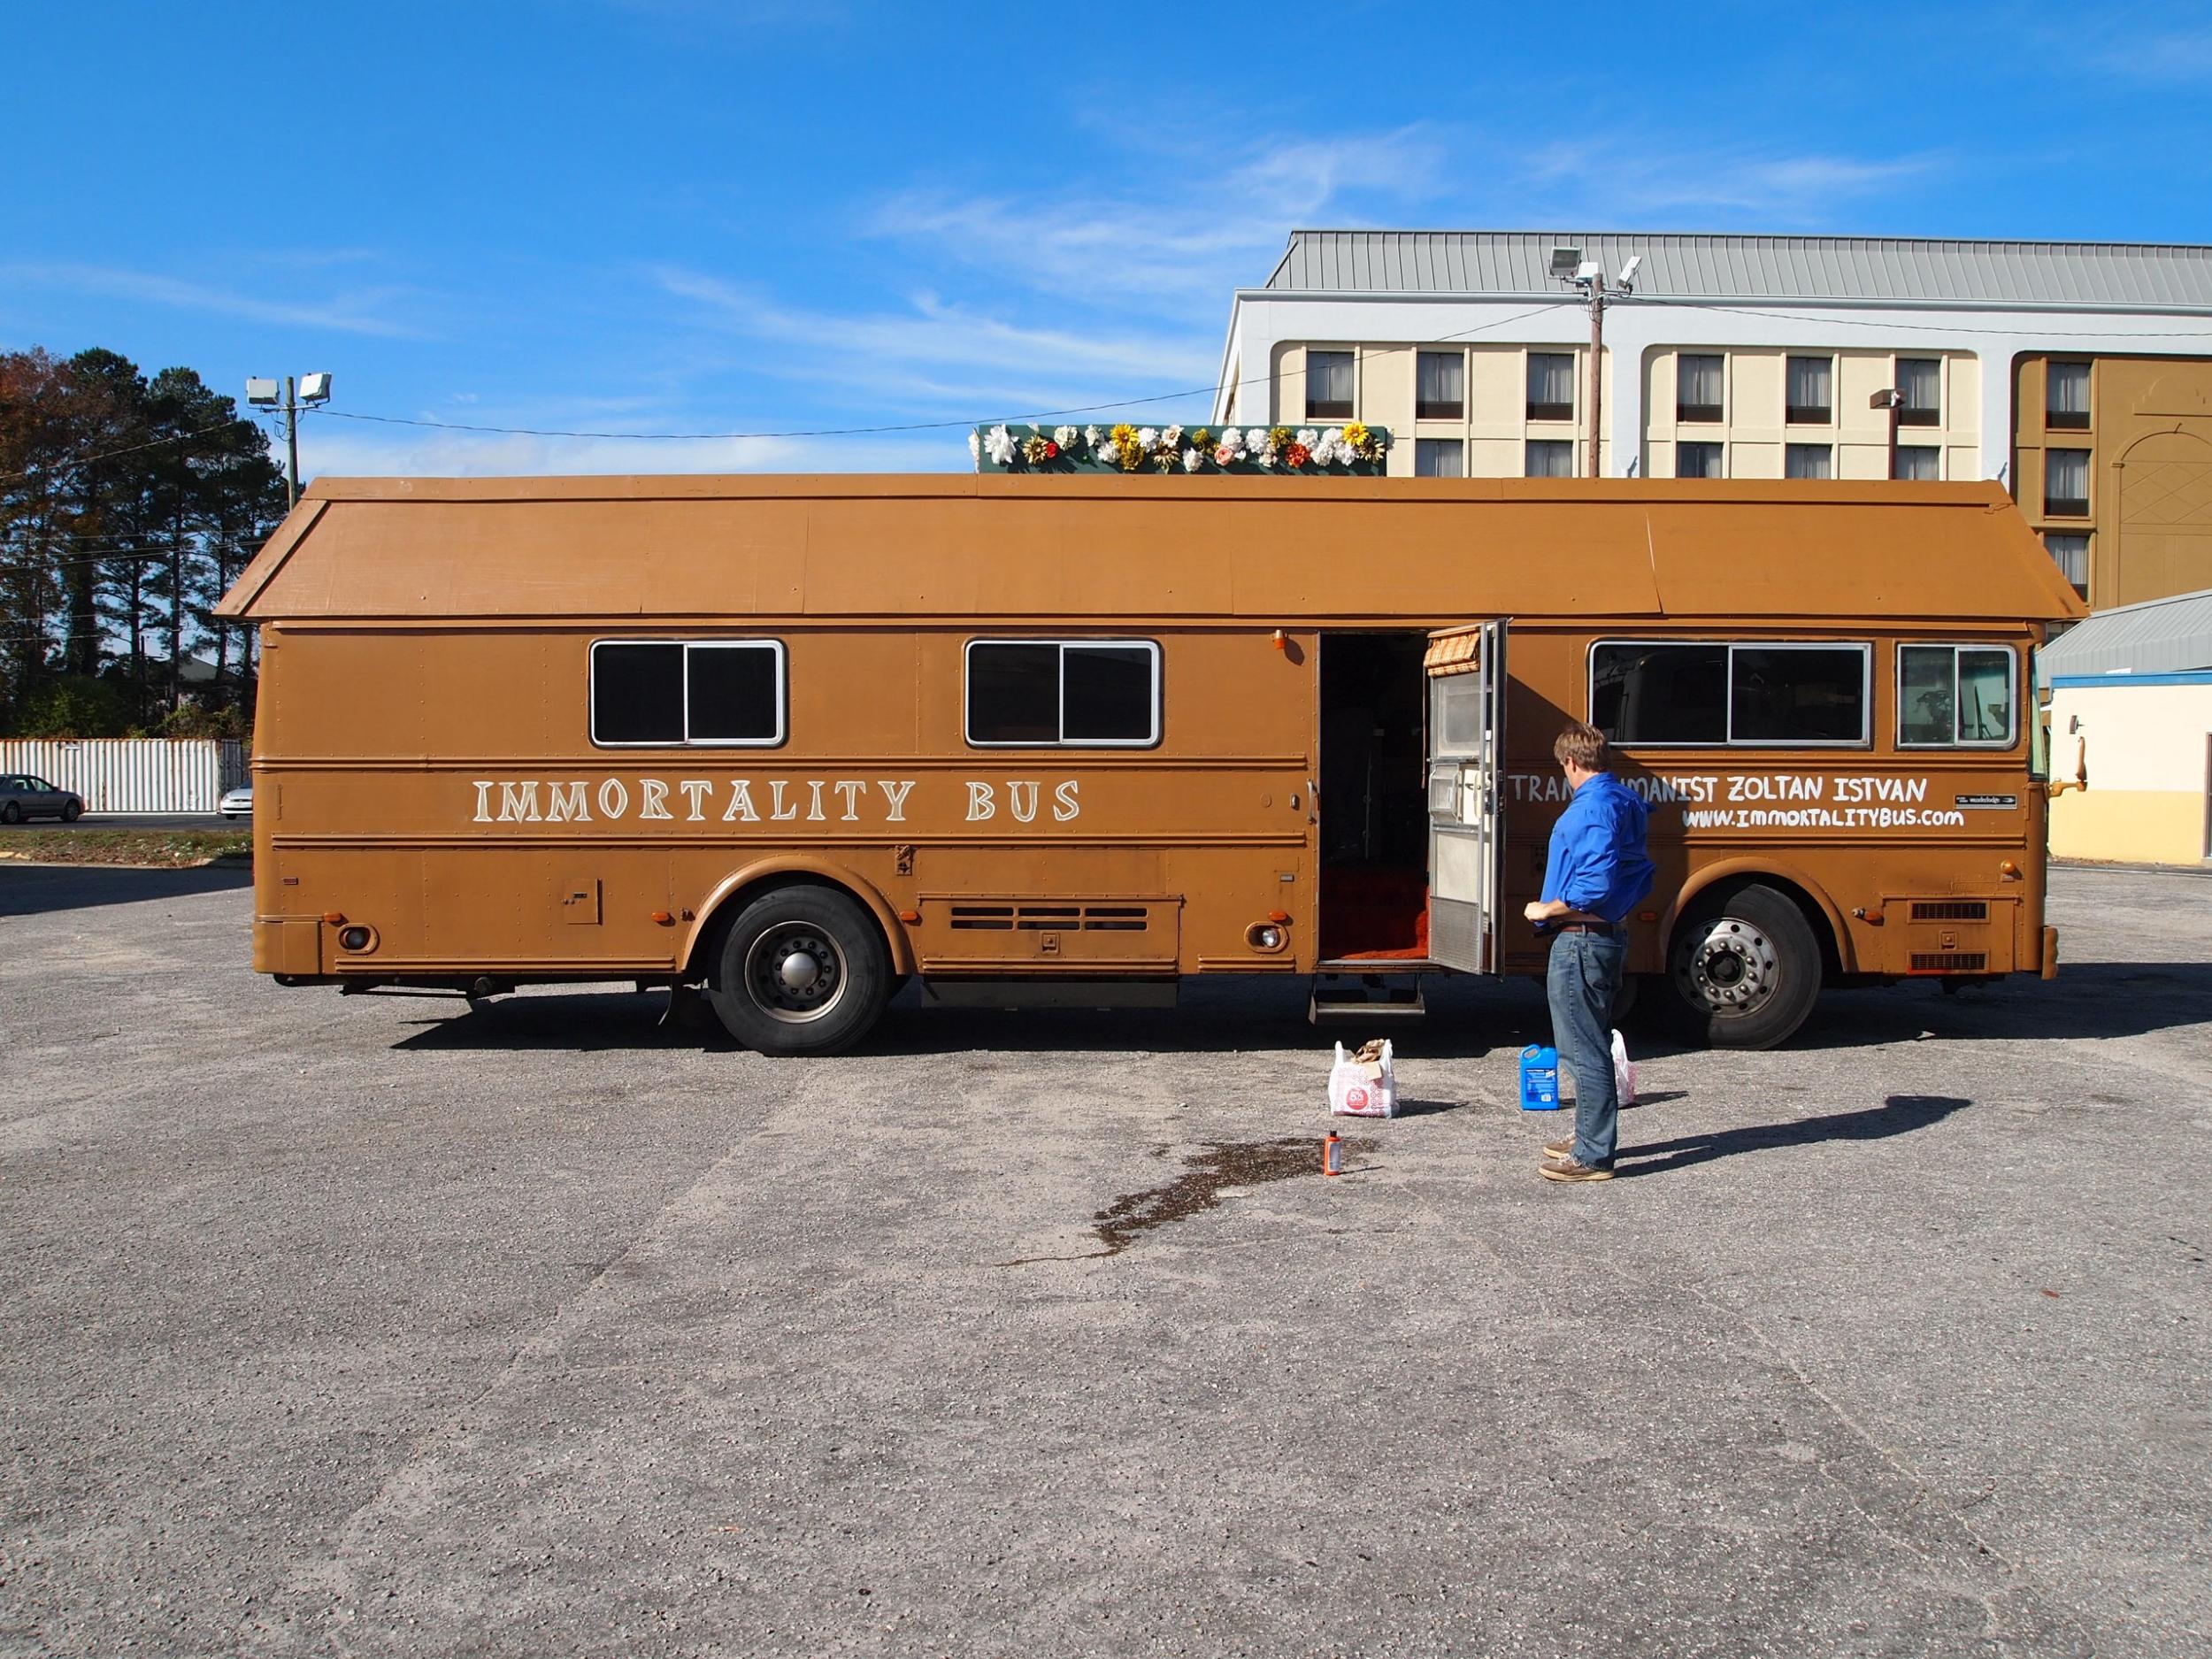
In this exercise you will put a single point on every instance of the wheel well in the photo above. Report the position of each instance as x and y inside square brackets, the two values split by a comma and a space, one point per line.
[706, 948]
[1709, 899]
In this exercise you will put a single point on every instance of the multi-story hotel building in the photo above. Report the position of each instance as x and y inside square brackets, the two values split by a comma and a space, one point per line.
[2080, 373]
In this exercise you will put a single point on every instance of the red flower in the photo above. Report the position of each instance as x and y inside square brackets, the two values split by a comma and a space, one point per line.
[1297, 455]
[1052, 450]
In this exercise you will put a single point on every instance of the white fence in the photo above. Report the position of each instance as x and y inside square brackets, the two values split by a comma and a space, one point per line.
[133, 774]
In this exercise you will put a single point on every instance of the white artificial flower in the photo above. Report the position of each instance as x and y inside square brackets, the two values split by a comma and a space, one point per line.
[1256, 440]
[1307, 436]
[1172, 436]
[1093, 436]
[1064, 436]
[1192, 460]
[975, 448]
[1148, 438]
[1232, 441]
[1334, 436]
[1002, 446]
[1263, 457]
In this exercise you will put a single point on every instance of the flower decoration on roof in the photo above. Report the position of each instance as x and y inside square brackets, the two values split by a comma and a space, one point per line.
[1125, 447]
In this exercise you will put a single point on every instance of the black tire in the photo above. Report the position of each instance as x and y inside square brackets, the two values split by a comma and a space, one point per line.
[11, 813]
[72, 811]
[1743, 972]
[771, 1001]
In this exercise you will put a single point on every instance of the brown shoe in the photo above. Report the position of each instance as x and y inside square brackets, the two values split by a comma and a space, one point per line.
[1560, 1148]
[1567, 1170]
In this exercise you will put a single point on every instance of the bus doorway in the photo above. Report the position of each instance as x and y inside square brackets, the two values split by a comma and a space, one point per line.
[1373, 803]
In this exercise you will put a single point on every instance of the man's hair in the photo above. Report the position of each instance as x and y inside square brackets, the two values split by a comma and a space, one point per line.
[1584, 745]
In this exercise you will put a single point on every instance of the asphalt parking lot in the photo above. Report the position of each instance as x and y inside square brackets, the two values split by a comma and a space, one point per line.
[375, 1326]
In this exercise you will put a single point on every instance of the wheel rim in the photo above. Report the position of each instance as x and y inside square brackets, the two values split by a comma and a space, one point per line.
[794, 972]
[1729, 968]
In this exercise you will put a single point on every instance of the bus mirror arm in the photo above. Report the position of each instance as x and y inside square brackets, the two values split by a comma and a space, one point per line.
[2080, 779]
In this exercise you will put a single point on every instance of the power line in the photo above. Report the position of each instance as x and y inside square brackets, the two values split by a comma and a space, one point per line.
[108, 455]
[1035, 418]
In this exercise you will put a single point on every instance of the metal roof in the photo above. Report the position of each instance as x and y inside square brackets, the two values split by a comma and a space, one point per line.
[2133, 275]
[2159, 636]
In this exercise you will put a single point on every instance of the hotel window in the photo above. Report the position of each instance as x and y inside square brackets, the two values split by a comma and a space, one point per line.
[1811, 395]
[1697, 390]
[2066, 483]
[1328, 386]
[1809, 460]
[1697, 460]
[1551, 386]
[2066, 395]
[1439, 457]
[1440, 392]
[1920, 382]
[2070, 553]
[1922, 462]
[1549, 457]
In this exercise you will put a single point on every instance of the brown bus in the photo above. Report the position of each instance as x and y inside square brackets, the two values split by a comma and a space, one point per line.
[791, 741]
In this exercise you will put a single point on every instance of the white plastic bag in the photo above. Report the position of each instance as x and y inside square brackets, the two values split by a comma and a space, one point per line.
[1362, 1088]
[1624, 1073]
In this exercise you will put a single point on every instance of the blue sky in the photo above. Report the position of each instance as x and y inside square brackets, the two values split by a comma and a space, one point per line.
[677, 216]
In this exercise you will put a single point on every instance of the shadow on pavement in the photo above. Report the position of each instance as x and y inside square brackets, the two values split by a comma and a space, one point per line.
[1900, 1114]
[35, 889]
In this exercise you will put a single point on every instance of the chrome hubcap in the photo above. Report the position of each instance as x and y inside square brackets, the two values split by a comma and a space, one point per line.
[1730, 968]
[795, 972]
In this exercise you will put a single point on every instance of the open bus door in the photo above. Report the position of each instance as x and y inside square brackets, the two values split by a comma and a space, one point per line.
[1466, 760]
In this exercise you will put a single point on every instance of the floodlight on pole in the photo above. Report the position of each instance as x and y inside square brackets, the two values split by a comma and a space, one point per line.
[1568, 265]
[311, 389]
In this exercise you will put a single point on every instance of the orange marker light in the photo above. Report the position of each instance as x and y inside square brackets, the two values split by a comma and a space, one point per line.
[910, 916]
[663, 917]
[1281, 644]
[1278, 916]
[333, 917]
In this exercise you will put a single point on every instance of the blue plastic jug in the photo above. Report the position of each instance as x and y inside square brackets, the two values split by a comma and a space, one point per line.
[1540, 1078]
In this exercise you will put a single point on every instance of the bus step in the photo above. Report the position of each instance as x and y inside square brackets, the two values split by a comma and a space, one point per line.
[1369, 996]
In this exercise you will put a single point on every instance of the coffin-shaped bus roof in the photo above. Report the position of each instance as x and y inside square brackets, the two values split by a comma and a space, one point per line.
[880, 548]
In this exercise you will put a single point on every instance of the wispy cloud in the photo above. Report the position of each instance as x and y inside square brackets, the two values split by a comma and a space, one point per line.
[1208, 234]
[2175, 56]
[1628, 182]
[327, 450]
[356, 312]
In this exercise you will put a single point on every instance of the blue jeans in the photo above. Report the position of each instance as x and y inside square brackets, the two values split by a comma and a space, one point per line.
[1584, 979]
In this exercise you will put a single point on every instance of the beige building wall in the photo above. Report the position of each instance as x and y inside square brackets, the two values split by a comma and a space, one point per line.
[1754, 433]
[2149, 439]
[2148, 750]
[1494, 427]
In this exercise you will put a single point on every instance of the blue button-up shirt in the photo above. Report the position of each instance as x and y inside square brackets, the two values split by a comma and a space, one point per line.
[1597, 864]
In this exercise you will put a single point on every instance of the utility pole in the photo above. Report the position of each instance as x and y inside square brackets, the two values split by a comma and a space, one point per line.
[1892, 400]
[312, 390]
[1589, 276]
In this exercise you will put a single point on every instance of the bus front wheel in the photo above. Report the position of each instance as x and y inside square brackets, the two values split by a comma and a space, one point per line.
[1743, 973]
[803, 970]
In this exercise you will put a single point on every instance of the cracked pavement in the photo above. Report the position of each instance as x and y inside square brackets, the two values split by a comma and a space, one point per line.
[374, 1326]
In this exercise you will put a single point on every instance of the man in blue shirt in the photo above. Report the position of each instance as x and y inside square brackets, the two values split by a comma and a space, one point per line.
[1597, 874]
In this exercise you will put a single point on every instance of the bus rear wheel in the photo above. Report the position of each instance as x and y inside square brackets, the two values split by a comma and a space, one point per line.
[1743, 973]
[803, 970]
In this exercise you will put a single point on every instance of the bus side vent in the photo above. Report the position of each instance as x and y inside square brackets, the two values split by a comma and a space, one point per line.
[1054, 919]
[1950, 909]
[1950, 962]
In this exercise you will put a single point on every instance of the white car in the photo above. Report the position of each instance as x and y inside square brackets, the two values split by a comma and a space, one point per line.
[237, 803]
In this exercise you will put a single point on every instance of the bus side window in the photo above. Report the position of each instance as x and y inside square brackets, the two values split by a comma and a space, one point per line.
[678, 693]
[1062, 692]
[1954, 697]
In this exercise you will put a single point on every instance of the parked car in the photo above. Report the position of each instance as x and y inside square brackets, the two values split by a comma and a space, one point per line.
[22, 796]
[237, 803]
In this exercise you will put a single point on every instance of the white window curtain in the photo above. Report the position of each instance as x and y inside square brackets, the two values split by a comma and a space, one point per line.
[1443, 381]
[1697, 460]
[1550, 457]
[2071, 554]
[1551, 379]
[1809, 460]
[2066, 475]
[1698, 384]
[1921, 380]
[1329, 377]
[1920, 461]
[1810, 380]
[2068, 388]
[1439, 457]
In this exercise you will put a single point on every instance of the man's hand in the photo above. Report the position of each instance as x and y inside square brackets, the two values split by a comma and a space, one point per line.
[1538, 911]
